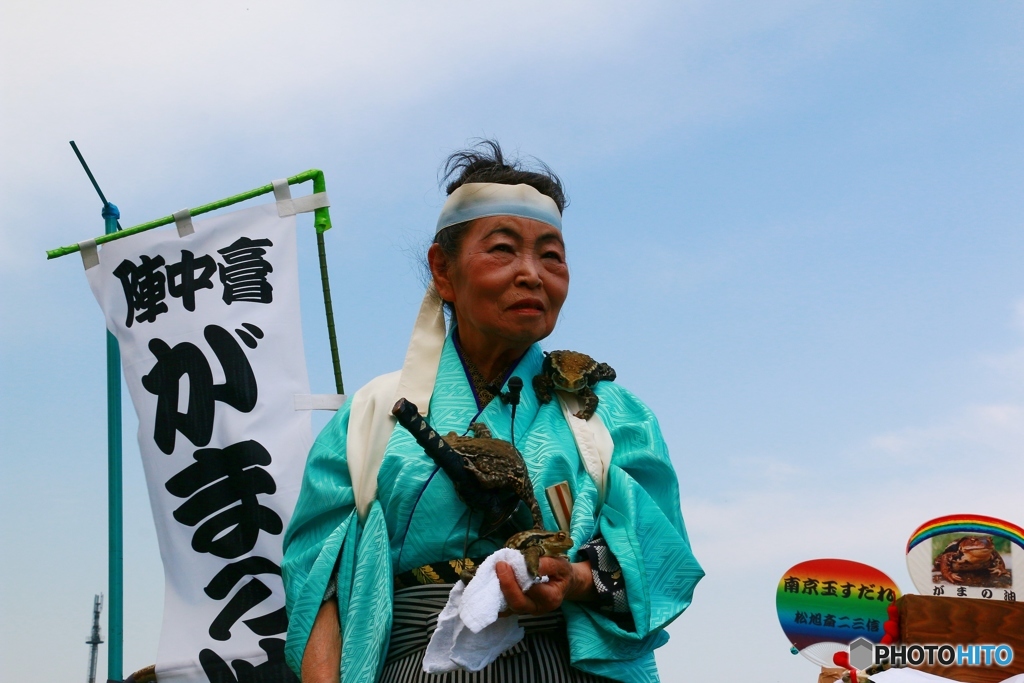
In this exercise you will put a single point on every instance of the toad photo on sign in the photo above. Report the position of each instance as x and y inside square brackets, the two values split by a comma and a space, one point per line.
[971, 560]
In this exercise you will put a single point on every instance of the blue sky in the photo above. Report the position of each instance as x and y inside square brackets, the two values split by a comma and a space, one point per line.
[795, 231]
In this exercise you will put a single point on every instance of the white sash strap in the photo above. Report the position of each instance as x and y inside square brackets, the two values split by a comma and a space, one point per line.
[370, 424]
[593, 441]
[419, 371]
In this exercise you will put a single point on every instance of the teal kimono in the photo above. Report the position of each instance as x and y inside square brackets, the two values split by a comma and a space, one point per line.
[418, 519]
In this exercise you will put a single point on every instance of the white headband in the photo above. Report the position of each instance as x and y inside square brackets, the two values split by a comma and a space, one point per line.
[478, 200]
[469, 201]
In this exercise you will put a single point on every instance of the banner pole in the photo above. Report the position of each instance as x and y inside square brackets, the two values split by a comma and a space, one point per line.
[332, 334]
[322, 218]
[322, 223]
[115, 560]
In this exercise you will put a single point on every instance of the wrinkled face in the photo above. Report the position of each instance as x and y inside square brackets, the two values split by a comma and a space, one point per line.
[508, 282]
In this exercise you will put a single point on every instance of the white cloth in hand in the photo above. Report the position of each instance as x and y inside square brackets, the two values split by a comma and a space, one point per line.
[469, 633]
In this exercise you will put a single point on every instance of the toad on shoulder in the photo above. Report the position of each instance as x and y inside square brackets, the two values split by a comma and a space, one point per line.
[573, 372]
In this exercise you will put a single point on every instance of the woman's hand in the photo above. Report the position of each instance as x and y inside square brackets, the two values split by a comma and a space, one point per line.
[566, 581]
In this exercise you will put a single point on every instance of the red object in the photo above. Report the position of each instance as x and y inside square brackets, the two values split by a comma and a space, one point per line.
[842, 658]
[891, 626]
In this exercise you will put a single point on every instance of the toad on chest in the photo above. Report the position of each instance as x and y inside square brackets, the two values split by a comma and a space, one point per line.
[495, 464]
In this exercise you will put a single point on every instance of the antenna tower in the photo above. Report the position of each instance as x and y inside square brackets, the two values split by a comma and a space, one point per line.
[94, 637]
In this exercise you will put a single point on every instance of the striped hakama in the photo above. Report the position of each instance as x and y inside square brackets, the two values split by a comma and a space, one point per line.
[541, 657]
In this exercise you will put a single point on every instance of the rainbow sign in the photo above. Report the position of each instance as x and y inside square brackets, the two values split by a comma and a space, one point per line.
[966, 524]
[968, 556]
[833, 601]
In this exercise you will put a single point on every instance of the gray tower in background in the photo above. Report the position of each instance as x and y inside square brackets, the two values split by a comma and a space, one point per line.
[94, 637]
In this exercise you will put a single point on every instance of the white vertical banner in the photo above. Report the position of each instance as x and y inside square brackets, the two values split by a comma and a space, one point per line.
[211, 347]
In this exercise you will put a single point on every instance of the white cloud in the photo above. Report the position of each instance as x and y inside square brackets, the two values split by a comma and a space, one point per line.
[126, 65]
[992, 434]
[146, 77]
[861, 505]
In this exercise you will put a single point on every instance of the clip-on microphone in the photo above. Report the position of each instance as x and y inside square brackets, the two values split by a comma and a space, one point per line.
[515, 387]
[511, 397]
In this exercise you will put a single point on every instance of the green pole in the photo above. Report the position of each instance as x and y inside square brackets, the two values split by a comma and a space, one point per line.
[321, 217]
[322, 223]
[332, 334]
[115, 560]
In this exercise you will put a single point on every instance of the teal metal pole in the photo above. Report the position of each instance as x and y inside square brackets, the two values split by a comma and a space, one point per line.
[115, 560]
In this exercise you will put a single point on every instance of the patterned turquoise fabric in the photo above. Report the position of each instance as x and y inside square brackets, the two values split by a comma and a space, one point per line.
[418, 519]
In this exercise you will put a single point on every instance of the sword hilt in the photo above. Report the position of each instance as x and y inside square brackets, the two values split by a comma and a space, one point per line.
[494, 505]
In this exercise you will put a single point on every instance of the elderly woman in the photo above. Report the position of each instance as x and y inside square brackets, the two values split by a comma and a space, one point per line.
[379, 535]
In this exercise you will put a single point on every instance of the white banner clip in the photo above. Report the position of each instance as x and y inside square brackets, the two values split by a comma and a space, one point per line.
[286, 206]
[183, 221]
[90, 257]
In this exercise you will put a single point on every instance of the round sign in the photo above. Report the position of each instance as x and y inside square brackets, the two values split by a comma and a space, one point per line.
[968, 556]
[826, 604]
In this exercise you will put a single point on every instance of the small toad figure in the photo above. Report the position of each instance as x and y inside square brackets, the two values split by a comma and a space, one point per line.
[533, 544]
[575, 373]
[537, 543]
[977, 556]
[496, 464]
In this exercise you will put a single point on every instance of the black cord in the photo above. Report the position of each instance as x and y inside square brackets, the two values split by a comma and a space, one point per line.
[512, 396]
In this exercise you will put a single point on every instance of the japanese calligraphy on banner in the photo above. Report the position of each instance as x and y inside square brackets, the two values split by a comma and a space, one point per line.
[211, 346]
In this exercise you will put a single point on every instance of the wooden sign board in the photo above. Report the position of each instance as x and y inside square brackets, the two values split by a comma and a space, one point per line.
[928, 620]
